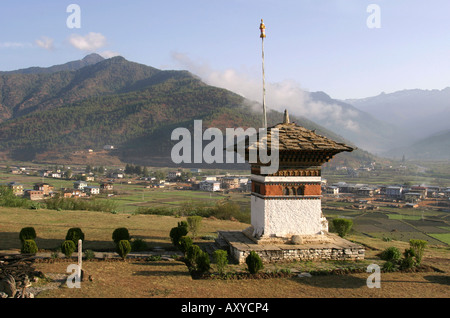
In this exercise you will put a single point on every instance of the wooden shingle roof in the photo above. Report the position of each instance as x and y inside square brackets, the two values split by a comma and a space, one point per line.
[293, 137]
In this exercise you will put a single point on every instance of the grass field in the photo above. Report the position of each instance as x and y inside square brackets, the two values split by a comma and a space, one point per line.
[171, 279]
[376, 230]
[51, 227]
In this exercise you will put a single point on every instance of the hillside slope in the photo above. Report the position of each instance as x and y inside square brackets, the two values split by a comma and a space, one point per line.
[129, 105]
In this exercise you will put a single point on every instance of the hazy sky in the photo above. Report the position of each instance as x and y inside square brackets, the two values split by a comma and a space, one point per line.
[318, 45]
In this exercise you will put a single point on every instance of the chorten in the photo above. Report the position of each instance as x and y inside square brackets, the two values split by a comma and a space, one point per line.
[286, 213]
[286, 204]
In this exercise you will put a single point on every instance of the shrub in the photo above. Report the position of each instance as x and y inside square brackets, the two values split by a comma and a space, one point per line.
[89, 254]
[342, 226]
[68, 247]
[138, 245]
[54, 255]
[194, 223]
[391, 254]
[185, 243]
[418, 246]
[176, 233]
[203, 262]
[389, 266]
[192, 253]
[254, 262]
[74, 234]
[120, 234]
[153, 258]
[27, 233]
[408, 260]
[220, 258]
[123, 248]
[183, 224]
[29, 247]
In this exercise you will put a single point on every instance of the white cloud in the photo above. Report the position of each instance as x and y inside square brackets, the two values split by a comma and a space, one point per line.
[287, 94]
[90, 42]
[45, 43]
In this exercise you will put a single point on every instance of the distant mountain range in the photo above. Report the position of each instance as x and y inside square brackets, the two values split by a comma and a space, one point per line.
[362, 128]
[51, 113]
[421, 119]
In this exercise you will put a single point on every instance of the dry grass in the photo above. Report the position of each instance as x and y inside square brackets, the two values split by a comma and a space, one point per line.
[171, 279]
[131, 279]
[51, 227]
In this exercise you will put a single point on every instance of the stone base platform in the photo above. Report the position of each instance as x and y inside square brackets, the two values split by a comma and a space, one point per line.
[330, 247]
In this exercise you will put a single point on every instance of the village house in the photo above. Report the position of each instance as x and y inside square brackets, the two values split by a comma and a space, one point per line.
[17, 188]
[78, 193]
[34, 195]
[209, 185]
[67, 193]
[107, 186]
[432, 191]
[56, 175]
[172, 175]
[365, 192]
[80, 185]
[117, 175]
[394, 192]
[91, 190]
[413, 197]
[209, 178]
[230, 183]
[44, 187]
[421, 190]
[15, 171]
[345, 187]
[333, 190]
[447, 192]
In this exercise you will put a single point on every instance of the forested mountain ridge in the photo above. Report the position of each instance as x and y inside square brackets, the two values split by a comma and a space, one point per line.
[129, 105]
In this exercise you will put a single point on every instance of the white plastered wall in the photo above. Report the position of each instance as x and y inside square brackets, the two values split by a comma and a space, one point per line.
[284, 218]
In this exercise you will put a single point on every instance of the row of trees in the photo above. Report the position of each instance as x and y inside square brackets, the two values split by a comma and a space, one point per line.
[120, 237]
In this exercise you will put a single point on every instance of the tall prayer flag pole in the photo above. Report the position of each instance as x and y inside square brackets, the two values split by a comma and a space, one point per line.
[262, 27]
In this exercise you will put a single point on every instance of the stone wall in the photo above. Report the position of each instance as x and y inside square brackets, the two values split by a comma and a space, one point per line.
[240, 246]
[294, 254]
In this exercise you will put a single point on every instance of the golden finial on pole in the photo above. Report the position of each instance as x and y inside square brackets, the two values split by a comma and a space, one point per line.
[262, 27]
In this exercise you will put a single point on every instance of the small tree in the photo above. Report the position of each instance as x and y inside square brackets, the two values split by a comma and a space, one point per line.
[68, 247]
[203, 262]
[254, 262]
[391, 254]
[176, 233]
[120, 234]
[29, 247]
[342, 226]
[418, 246]
[123, 248]
[408, 260]
[27, 233]
[194, 223]
[185, 243]
[220, 258]
[74, 234]
[192, 254]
